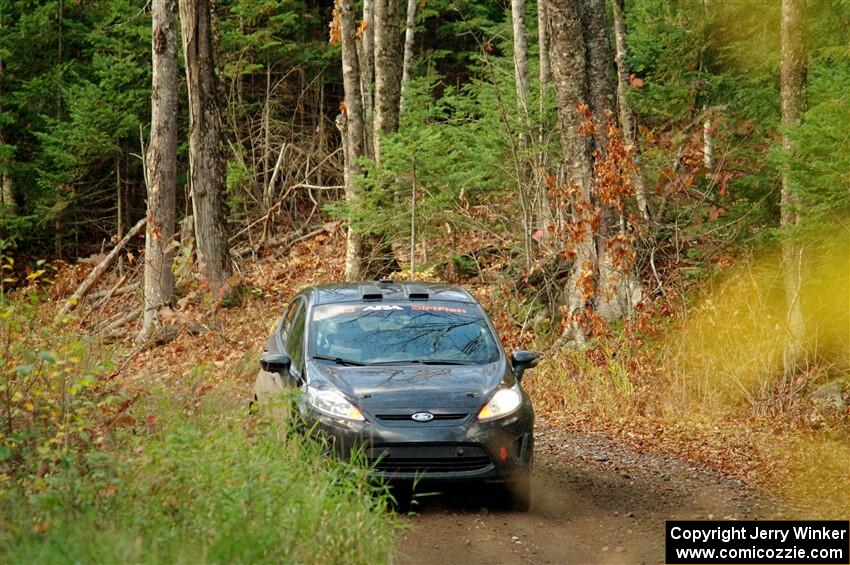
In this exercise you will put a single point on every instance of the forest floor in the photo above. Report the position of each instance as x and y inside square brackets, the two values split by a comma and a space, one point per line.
[594, 500]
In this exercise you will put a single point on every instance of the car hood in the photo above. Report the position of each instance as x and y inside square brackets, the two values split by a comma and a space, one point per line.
[415, 387]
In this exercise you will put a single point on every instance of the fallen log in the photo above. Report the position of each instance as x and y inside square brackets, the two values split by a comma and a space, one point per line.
[130, 316]
[112, 291]
[127, 288]
[100, 269]
[106, 297]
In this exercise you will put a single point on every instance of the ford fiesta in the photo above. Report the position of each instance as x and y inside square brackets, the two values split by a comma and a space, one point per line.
[413, 374]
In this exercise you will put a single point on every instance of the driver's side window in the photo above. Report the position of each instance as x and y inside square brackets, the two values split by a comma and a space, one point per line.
[292, 333]
[295, 338]
[286, 326]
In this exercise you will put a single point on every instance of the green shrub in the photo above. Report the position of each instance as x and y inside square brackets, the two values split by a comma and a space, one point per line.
[207, 488]
[56, 398]
[91, 474]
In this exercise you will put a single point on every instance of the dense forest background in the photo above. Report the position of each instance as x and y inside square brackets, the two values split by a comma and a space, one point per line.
[710, 129]
[655, 193]
[75, 112]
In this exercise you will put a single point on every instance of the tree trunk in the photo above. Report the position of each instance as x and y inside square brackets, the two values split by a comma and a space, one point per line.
[542, 201]
[581, 65]
[206, 158]
[389, 53]
[627, 118]
[161, 165]
[600, 76]
[6, 191]
[388, 62]
[793, 100]
[366, 56]
[268, 187]
[351, 126]
[707, 125]
[617, 290]
[408, 44]
[543, 45]
[120, 210]
[520, 53]
[570, 78]
[707, 143]
[7, 194]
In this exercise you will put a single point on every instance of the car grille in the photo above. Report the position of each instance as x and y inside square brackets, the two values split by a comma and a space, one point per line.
[428, 458]
[432, 465]
[405, 417]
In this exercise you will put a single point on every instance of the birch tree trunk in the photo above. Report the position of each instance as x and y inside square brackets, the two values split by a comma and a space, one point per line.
[388, 63]
[626, 115]
[206, 158]
[520, 53]
[570, 79]
[707, 142]
[352, 126]
[543, 45]
[408, 44]
[793, 101]
[7, 195]
[707, 125]
[161, 165]
[8, 192]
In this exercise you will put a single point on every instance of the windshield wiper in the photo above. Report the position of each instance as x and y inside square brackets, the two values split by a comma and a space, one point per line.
[339, 360]
[424, 362]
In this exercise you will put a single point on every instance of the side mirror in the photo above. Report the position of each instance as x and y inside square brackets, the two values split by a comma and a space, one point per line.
[522, 360]
[275, 363]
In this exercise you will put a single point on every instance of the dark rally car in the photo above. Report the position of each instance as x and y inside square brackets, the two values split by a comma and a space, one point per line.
[412, 373]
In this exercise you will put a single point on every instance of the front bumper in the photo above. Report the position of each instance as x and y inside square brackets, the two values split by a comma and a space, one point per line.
[497, 451]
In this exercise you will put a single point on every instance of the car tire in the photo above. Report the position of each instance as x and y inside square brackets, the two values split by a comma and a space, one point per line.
[518, 492]
[401, 498]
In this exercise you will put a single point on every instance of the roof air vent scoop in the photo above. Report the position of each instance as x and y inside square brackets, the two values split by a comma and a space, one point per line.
[416, 292]
[371, 292]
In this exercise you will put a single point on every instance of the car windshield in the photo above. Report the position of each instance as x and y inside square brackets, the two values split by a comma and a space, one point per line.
[450, 333]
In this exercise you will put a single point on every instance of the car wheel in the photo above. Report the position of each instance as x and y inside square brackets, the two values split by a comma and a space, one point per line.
[518, 492]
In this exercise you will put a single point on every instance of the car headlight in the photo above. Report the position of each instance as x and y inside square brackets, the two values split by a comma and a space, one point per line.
[503, 403]
[330, 402]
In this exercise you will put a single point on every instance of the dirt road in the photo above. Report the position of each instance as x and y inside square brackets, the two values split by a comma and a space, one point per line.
[594, 501]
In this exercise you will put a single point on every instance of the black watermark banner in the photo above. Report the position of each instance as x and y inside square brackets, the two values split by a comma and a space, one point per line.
[816, 542]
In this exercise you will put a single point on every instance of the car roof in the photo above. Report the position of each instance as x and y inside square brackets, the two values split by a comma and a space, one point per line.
[370, 291]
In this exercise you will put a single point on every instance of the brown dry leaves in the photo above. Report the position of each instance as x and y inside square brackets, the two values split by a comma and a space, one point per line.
[335, 27]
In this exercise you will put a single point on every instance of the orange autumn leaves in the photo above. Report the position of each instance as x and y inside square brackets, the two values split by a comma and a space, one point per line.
[599, 214]
[335, 27]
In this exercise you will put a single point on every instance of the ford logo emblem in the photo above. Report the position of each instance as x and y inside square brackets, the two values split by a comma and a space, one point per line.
[423, 417]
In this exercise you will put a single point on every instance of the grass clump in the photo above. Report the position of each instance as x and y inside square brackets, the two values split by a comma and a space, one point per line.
[93, 473]
[208, 488]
